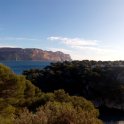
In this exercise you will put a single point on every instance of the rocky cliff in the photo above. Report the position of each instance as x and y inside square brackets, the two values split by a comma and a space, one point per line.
[32, 54]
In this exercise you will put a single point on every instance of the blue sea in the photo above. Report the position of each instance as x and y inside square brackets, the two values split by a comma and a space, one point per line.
[19, 66]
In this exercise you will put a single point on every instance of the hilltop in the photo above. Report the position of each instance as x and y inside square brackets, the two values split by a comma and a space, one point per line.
[32, 54]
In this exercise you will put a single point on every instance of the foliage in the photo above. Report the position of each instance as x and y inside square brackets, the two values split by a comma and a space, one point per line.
[57, 113]
[16, 93]
[96, 81]
[6, 120]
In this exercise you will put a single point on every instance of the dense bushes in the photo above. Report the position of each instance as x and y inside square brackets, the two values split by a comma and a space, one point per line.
[96, 81]
[15, 92]
[57, 113]
[60, 108]
[15, 89]
[23, 103]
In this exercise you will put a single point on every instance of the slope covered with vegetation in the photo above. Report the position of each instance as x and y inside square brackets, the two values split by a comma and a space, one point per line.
[100, 82]
[23, 103]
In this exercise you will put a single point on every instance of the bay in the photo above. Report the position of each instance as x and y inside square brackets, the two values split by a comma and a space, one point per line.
[19, 66]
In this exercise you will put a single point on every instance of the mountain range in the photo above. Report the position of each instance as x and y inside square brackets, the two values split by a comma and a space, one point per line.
[18, 54]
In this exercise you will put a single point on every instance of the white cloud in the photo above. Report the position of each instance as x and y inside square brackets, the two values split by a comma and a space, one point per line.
[18, 39]
[1, 46]
[22, 42]
[60, 49]
[80, 49]
[81, 44]
[74, 42]
[74, 55]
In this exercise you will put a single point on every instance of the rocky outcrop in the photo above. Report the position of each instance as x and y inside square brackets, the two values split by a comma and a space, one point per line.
[32, 54]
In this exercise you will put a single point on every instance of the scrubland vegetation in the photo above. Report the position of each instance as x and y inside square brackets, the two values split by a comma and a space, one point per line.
[57, 94]
[100, 82]
[23, 102]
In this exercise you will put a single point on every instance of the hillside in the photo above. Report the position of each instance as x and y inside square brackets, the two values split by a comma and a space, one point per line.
[32, 54]
[23, 103]
[100, 82]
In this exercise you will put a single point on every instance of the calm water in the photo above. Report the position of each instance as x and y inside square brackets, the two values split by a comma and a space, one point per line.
[19, 66]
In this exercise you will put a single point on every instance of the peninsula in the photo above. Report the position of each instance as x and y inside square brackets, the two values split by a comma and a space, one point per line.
[34, 54]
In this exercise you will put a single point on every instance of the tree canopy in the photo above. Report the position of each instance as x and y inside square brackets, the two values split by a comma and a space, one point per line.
[23, 103]
[100, 82]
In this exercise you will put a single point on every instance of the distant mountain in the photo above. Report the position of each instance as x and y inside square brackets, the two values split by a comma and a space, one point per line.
[32, 54]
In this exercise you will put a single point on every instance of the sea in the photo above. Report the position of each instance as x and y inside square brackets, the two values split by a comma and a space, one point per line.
[19, 66]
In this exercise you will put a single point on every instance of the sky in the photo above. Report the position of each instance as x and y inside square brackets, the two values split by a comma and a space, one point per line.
[85, 29]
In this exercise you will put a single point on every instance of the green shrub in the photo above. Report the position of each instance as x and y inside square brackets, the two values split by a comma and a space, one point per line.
[55, 108]
[6, 120]
[57, 113]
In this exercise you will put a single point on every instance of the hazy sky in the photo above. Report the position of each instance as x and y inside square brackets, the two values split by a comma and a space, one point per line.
[86, 29]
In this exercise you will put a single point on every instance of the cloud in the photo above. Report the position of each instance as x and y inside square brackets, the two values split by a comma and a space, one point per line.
[74, 42]
[18, 39]
[81, 49]
[81, 44]
[60, 49]
[74, 55]
[10, 46]
[13, 42]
